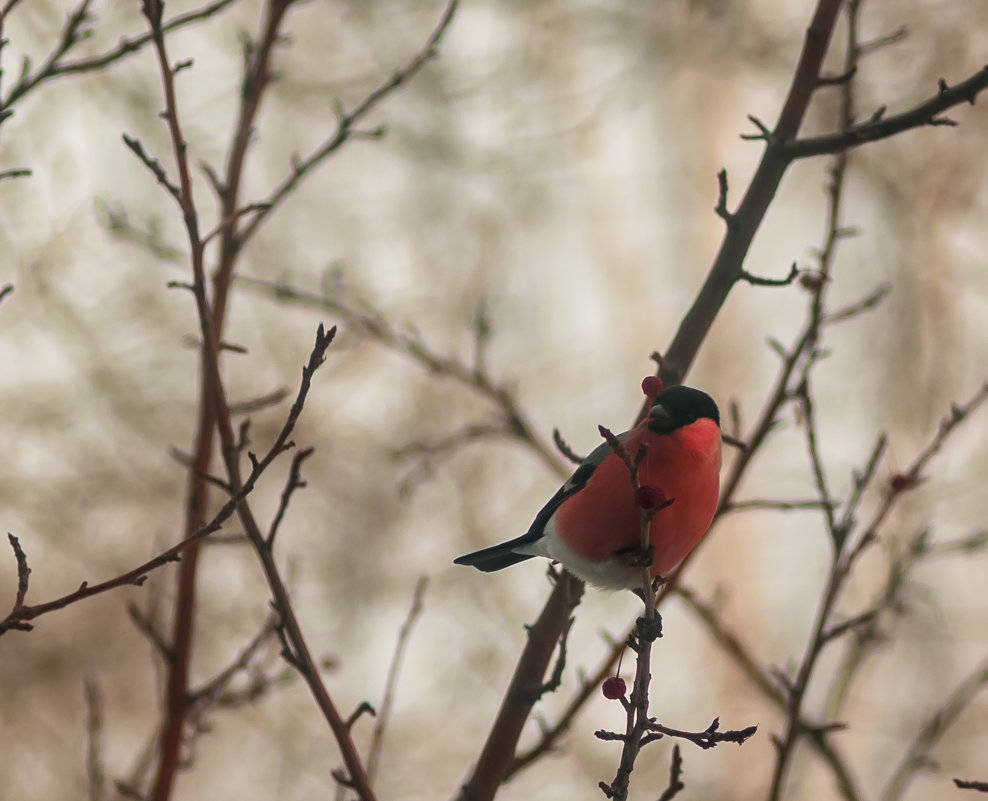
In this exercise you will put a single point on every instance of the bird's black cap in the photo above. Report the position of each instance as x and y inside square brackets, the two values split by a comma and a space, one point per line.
[679, 406]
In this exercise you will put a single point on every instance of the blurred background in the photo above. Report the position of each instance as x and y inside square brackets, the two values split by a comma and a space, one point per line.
[552, 174]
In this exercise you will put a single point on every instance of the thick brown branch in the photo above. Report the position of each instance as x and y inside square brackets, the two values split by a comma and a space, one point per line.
[728, 264]
[498, 752]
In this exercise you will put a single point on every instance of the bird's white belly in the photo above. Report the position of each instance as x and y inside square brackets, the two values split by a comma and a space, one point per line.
[610, 574]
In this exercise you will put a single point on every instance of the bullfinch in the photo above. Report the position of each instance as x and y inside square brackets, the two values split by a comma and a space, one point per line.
[592, 525]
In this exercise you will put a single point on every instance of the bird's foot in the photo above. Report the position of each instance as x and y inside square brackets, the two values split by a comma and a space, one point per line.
[636, 556]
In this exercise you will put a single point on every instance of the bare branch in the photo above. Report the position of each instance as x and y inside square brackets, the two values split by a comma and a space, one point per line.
[981, 787]
[778, 506]
[213, 687]
[564, 447]
[881, 127]
[152, 164]
[346, 123]
[295, 481]
[95, 773]
[930, 733]
[870, 46]
[675, 776]
[383, 717]
[756, 280]
[150, 631]
[72, 34]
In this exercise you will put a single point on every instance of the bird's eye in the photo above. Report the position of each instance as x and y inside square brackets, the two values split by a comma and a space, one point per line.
[659, 411]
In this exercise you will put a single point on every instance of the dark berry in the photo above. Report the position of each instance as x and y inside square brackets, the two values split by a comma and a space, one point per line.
[614, 687]
[652, 386]
[649, 497]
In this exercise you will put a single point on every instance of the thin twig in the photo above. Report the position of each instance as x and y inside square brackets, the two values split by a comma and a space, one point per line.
[54, 66]
[150, 631]
[756, 504]
[981, 787]
[512, 422]
[648, 628]
[675, 776]
[295, 481]
[742, 657]
[213, 410]
[786, 744]
[933, 729]
[391, 682]
[882, 127]
[95, 774]
[21, 613]
[213, 687]
[346, 123]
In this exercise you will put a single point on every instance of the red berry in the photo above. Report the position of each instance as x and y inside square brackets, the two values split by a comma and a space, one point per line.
[652, 386]
[614, 687]
[649, 497]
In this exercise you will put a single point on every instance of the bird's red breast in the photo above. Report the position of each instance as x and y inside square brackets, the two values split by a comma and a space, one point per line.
[602, 518]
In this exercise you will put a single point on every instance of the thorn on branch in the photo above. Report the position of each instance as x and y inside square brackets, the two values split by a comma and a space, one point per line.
[840, 629]
[764, 133]
[883, 41]
[564, 447]
[783, 679]
[778, 348]
[734, 442]
[214, 179]
[721, 207]
[23, 572]
[757, 280]
[295, 481]
[837, 80]
[259, 403]
[610, 736]
[243, 435]
[827, 728]
[877, 115]
[556, 679]
[342, 778]
[147, 627]
[374, 133]
[708, 738]
[675, 776]
[364, 708]
[152, 164]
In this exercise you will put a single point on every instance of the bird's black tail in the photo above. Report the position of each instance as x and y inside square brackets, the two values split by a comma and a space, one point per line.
[497, 557]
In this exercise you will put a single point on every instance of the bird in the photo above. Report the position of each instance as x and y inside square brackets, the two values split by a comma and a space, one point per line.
[592, 525]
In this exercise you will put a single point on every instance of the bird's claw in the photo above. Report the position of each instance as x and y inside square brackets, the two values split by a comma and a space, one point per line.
[636, 556]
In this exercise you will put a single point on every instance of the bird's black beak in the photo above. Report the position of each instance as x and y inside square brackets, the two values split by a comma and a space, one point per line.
[659, 420]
